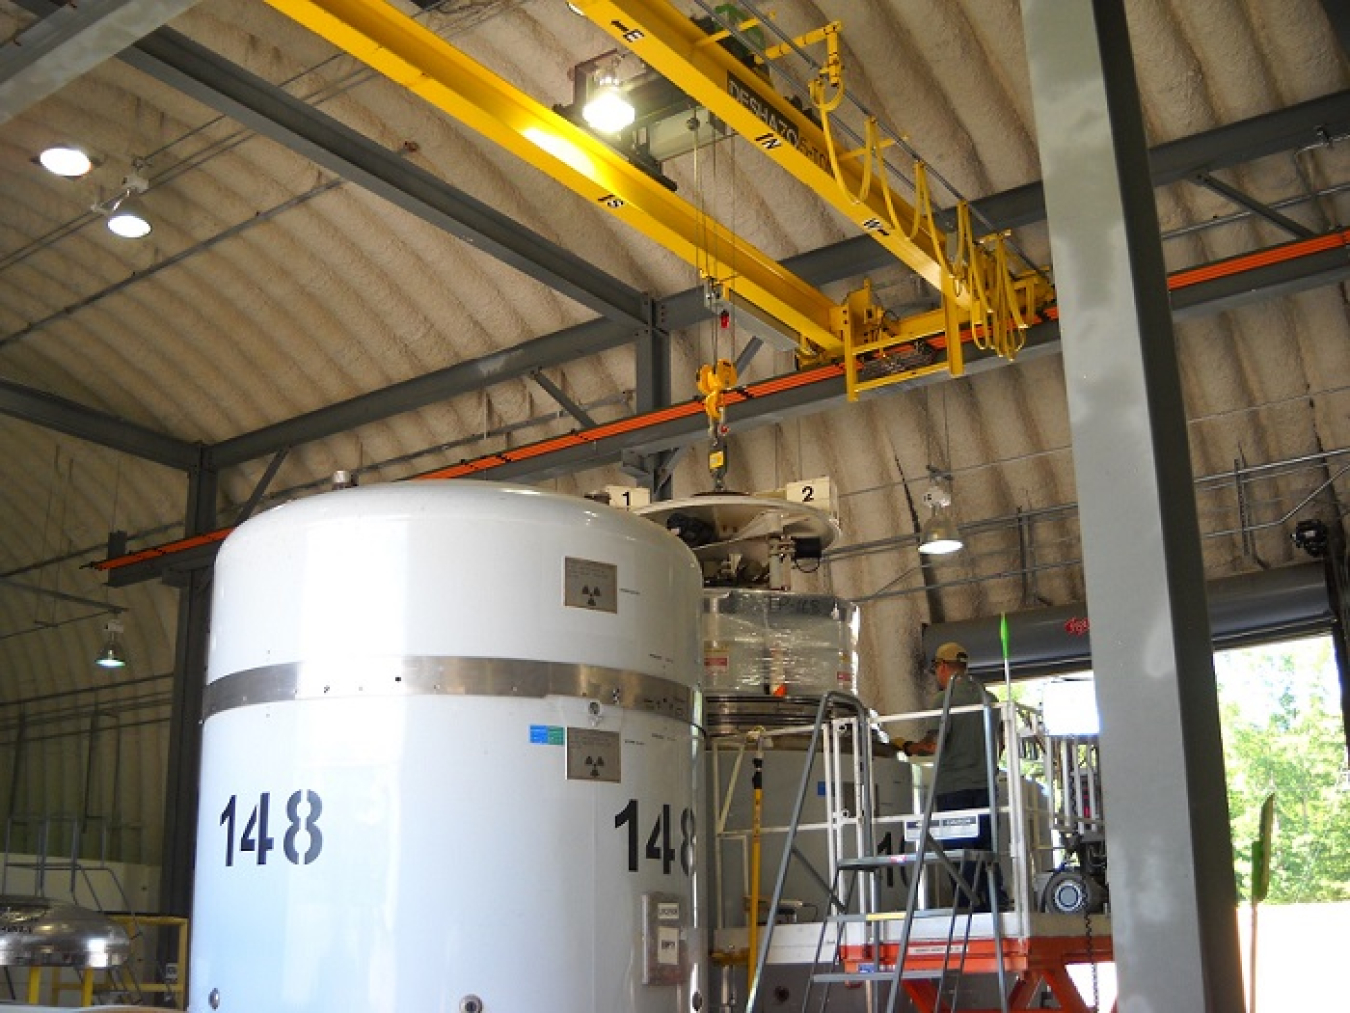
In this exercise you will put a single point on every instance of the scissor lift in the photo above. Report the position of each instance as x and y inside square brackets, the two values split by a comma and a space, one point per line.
[939, 957]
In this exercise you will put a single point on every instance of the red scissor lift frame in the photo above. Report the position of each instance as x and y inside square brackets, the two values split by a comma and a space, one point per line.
[1030, 963]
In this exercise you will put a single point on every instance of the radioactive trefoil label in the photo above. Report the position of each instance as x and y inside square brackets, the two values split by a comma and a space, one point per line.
[588, 584]
[593, 755]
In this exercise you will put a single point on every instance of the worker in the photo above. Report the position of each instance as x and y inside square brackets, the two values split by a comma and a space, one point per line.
[962, 779]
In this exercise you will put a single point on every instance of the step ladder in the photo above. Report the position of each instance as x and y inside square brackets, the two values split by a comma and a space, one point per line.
[854, 919]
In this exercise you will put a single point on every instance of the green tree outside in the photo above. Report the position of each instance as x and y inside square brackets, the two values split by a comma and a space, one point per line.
[1282, 731]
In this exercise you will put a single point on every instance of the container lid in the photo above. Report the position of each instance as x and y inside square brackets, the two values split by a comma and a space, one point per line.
[36, 932]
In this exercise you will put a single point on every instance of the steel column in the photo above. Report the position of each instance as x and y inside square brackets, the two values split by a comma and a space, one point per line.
[651, 366]
[1173, 894]
[178, 850]
[653, 362]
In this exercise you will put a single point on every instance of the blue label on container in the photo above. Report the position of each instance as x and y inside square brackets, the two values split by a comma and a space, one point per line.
[820, 788]
[546, 735]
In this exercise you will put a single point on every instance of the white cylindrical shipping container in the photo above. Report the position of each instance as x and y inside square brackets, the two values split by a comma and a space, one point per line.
[450, 760]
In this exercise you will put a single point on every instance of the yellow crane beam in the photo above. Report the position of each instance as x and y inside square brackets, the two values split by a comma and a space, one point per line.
[694, 61]
[392, 43]
[972, 274]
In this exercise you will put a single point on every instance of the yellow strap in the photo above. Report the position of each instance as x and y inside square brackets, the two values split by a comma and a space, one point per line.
[968, 271]
[874, 135]
[818, 99]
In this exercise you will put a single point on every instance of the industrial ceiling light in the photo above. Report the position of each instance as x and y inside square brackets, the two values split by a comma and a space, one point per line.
[939, 535]
[123, 218]
[112, 656]
[128, 223]
[63, 160]
[608, 110]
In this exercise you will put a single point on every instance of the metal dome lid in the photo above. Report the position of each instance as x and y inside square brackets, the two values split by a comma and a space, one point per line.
[37, 932]
[746, 540]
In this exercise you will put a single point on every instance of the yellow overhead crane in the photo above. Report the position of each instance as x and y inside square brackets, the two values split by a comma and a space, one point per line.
[394, 44]
[697, 63]
[969, 273]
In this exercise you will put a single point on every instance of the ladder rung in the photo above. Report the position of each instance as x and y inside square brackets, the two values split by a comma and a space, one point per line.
[854, 977]
[874, 863]
[892, 916]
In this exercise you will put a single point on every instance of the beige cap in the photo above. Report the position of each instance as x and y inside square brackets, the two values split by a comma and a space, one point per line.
[952, 652]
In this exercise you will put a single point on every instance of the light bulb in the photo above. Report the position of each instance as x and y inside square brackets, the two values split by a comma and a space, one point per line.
[128, 224]
[608, 111]
[65, 161]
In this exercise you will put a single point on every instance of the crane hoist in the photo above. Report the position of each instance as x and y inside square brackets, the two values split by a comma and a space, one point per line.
[856, 331]
[710, 61]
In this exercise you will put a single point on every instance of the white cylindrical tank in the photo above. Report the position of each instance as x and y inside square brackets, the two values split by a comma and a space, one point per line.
[449, 760]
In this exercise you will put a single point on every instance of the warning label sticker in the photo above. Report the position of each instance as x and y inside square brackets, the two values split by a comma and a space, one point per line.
[716, 664]
[546, 735]
[593, 755]
[588, 584]
[944, 828]
[667, 946]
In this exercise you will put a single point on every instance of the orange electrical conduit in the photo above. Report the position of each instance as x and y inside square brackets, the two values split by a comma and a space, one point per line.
[595, 434]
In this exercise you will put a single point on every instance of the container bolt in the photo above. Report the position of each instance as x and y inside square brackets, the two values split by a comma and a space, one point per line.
[214, 998]
[594, 708]
[471, 1004]
[697, 1001]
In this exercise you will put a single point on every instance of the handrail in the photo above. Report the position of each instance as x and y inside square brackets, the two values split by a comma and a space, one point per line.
[863, 785]
[927, 844]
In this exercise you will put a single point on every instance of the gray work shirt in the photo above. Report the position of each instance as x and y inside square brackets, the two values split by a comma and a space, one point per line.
[961, 755]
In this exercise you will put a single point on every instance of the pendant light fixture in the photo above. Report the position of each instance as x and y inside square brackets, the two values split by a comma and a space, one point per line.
[939, 535]
[113, 655]
[124, 216]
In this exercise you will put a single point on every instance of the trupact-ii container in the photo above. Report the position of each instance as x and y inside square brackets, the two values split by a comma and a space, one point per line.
[450, 759]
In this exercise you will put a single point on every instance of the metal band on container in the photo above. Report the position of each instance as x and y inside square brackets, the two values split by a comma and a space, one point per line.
[430, 676]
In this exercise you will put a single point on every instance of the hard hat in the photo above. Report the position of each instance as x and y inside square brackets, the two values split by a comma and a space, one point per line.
[952, 652]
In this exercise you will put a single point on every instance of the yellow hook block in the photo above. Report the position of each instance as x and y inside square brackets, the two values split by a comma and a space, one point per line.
[713, 383]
